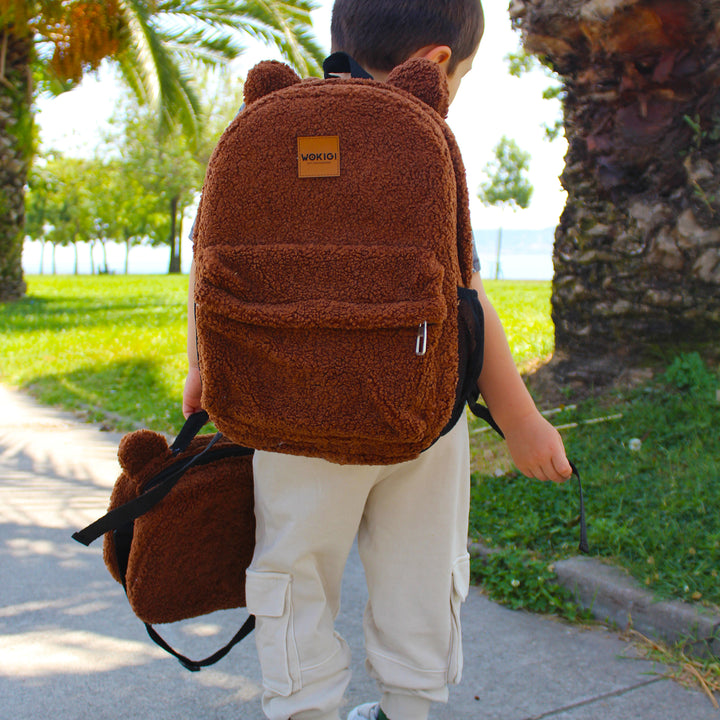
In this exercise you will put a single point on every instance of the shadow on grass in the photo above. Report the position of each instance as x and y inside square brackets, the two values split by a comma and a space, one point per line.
[50, 314]
[125, 394]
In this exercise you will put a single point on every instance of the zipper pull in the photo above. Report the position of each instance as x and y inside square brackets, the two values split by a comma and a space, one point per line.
[421, 340]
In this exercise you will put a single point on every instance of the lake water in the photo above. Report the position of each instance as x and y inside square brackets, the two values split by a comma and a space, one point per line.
[527, 255]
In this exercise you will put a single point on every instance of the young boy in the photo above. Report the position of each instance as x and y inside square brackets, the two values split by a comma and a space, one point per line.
[410, 518]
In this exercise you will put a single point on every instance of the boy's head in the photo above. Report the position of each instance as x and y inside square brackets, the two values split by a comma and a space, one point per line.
[381, 34]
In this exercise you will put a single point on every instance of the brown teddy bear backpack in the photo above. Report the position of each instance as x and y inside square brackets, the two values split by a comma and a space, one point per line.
[333, 256]
[180, 529]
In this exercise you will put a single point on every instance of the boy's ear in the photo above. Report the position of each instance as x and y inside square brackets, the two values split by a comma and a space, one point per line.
[266, 77]
[426, 80]
[440, 54]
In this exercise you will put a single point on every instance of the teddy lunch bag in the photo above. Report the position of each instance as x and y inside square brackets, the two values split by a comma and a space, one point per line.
[180, 529]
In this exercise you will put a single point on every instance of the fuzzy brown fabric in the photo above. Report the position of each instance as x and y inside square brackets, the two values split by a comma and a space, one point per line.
[311, 291]
[190, 552]
[425, 80]
[268, 76]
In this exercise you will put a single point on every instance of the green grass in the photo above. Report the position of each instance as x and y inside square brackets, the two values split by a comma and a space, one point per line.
[116, 345]
[652, 510]
[108, 342]
[524, 309]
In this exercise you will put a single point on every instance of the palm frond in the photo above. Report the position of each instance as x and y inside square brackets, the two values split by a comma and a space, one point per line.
[286, 25]
[151, 70]
[157, 43]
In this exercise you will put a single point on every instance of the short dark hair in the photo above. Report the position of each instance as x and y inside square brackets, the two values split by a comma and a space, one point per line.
[381, 34]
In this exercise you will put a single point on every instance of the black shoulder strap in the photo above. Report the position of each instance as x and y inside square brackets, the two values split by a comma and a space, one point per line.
[340, 63]
[189, 430]
[159, 486]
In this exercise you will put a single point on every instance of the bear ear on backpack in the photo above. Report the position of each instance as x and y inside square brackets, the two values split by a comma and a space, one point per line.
[424, 79]
[266, 77]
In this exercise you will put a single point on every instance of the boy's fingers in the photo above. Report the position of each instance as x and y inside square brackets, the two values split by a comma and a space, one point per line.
[541, 475]
[561, 468]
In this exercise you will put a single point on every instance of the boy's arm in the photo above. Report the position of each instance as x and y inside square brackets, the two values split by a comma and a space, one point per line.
[535, 446]
[191, 392]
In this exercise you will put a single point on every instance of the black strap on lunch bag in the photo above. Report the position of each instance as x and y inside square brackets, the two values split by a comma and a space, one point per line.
[120, 522]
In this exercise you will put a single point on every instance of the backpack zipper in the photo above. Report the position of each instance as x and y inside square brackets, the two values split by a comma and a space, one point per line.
[421, 340]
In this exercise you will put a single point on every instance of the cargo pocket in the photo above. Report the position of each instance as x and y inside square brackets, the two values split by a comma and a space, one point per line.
[458, 593]
[269, 598]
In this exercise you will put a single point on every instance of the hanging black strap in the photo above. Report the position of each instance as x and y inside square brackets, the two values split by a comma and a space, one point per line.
[479, 410]
[340, 63]
[195, 665]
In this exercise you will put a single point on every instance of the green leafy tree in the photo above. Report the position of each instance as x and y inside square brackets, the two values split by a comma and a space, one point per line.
[520, 63]
[165, 170]
[37, 198]
[61, 203]
[161, 167]
[50, 44]
[62, 206]
[507, 184]
[133, 215]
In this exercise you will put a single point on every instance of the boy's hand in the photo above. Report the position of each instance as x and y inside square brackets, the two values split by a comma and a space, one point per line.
[191, 393]
[537, 449]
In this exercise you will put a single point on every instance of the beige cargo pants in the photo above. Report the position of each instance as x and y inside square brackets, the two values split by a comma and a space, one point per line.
[411, 522]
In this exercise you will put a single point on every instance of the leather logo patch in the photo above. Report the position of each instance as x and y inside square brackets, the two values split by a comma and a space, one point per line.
[319, 156]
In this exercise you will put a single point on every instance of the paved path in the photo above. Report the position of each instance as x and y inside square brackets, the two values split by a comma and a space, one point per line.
[70, 648]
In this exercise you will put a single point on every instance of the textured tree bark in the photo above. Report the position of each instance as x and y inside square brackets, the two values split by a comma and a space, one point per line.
[637, 251]
[15, 143]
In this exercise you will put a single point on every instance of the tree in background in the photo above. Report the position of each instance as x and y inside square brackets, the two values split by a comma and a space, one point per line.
[520, 63]
[37, 210]
[637, 250]
[61, 206]
[50, 44]
[507, 184]
[131, 212]
[94, 201]
[163, 168]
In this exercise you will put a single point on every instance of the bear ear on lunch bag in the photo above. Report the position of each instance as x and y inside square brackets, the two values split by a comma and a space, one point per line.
[137, 450]
[267, 77]
[424, 79]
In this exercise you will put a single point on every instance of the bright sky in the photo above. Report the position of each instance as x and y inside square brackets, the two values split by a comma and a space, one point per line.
[490, 104]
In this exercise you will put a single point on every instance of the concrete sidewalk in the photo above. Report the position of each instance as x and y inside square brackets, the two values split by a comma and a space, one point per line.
[71, 649]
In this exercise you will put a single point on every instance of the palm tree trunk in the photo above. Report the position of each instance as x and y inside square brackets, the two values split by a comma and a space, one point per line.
[637, 251]
[15, 147]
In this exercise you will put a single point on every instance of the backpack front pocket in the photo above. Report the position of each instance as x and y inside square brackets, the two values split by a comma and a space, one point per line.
[324, 350]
